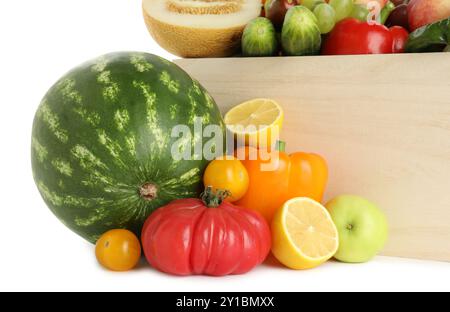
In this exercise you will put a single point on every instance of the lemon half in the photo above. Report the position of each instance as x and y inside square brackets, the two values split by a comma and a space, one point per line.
[304, 235]
[258, 121]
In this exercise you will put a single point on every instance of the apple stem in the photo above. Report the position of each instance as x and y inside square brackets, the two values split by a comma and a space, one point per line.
[350, 227]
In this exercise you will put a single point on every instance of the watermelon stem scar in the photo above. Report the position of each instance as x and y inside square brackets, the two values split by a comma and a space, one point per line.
[148, 191]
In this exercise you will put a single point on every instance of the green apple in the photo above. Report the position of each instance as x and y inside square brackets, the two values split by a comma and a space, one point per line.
[362, 228]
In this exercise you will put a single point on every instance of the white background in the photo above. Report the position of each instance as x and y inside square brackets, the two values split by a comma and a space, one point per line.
[40, 41]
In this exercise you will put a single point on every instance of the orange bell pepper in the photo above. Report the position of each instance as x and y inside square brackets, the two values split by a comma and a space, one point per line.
[296, 175]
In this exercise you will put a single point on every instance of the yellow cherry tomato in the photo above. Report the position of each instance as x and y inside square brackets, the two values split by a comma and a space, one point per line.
[118, 250]
[227, 173]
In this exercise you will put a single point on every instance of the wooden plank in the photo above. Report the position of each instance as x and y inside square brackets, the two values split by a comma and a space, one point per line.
[383, 123]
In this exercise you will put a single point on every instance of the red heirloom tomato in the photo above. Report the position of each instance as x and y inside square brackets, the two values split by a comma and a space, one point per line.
[205, 236]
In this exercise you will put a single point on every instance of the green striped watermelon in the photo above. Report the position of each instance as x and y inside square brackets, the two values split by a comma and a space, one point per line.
[101, 142]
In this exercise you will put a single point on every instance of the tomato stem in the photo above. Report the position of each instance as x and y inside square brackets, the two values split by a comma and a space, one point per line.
[214, 199]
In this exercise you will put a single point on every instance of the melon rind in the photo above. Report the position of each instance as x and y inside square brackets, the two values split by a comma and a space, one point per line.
[198, 40]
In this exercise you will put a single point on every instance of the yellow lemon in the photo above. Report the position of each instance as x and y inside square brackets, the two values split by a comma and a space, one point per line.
[257, 121]
[304, 235]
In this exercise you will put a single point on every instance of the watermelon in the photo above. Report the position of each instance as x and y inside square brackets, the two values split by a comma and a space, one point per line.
[102, 141]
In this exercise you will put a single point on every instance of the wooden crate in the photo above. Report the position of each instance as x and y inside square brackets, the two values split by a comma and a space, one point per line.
[382, 122]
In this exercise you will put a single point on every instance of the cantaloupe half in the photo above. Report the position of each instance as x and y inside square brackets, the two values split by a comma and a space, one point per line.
[199, 28]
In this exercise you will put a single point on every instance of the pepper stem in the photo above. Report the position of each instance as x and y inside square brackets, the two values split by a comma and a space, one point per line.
[281, 146]
[214, 199]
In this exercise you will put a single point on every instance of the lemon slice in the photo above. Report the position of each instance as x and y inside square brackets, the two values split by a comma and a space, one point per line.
[259, 121]
[304, 235]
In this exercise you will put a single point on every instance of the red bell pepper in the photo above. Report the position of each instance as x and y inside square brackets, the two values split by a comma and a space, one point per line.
[400, 35]
[352, 36]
